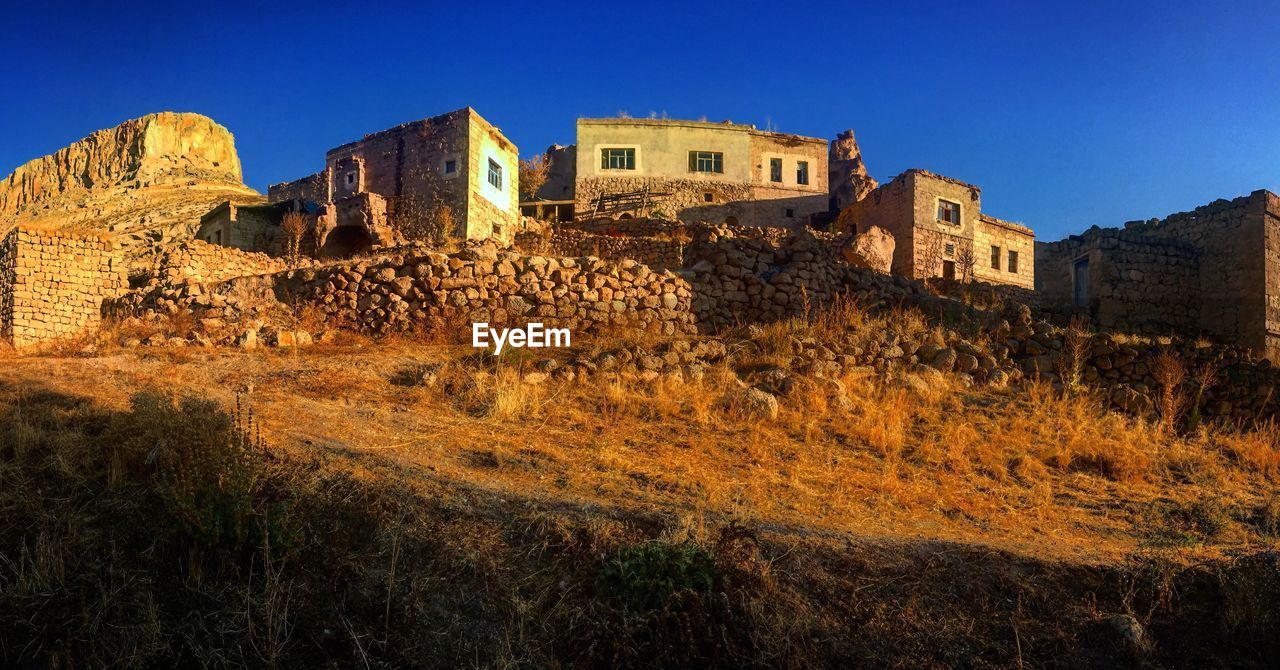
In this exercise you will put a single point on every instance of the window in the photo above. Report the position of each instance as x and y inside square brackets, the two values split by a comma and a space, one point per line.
[351, 177]
[706, 161]
[217, 236]
[950, 249]
[450, 166]
[995, 257]
[618, 159]
[495, 173]
[802, 173]
[708, 197]
[789, 213]
[1013, 262]
[775, 170]
[949, 212]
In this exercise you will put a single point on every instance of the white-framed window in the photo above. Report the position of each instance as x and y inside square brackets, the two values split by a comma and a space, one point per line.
[706, 161]
[948, 212]
[775, 170]
[802, 173]
[495, 174]
[618, 158]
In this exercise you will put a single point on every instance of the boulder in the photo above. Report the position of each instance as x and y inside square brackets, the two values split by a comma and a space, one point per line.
[872, 249]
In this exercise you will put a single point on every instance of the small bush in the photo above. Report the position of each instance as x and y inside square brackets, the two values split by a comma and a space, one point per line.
[644, 577]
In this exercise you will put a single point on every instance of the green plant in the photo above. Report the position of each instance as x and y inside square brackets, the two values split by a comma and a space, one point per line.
[645, 576]
[205, 463]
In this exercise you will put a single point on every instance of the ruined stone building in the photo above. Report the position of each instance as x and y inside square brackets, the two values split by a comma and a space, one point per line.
[405, 179]
[939, 230]
[1214, 270]
[554, 199]
[248, 226]
[698, 171]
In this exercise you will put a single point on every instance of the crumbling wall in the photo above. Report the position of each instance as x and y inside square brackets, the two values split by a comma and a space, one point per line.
[53, 284]
[651, 251]
[311, 188]
[1212, 270]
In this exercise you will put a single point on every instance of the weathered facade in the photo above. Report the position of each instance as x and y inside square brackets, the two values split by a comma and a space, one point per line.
[245, 226]
[404, 178]
[939, 230]
[1214, 270]
[716, 172]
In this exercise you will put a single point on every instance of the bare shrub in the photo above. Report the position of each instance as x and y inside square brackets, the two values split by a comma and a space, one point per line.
[294, 226]
[1078, 343]
[1170, 372]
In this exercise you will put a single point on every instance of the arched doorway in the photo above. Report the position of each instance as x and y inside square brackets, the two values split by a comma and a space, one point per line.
[731, 220]
[345, 242]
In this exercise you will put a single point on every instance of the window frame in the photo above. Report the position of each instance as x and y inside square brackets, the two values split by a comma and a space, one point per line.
[714, 158]
[495, 169]
[450, 162]
[959, 213]
[1013, 261]
[802, 173]
[775, 170]
[628, 159]
[995, 257]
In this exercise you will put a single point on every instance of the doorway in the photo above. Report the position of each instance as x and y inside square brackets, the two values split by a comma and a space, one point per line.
[1080, 283]
[949, 270]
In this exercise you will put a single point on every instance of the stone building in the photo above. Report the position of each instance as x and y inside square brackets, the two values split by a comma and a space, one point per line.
[939, 230]
[1214, 270]
[405, 178]
[246, 226]
[698, 171]
[554, 199]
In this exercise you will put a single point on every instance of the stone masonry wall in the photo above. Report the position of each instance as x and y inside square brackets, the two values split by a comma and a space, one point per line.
[311, 188]
[690, 200]
[1211, 270]
[199, 262]
[53, 284]
[651, 251]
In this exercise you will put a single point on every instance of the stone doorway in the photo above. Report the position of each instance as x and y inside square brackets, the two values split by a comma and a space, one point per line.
[1080, 283]
[949, 270]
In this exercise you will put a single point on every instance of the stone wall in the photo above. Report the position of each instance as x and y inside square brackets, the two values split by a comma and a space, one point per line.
[652, 251]
[53, 284]
[199, 262]
[1212, 270]
[311, 188]
[247, 227]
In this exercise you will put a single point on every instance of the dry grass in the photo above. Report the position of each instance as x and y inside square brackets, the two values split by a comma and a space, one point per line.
[444, 493]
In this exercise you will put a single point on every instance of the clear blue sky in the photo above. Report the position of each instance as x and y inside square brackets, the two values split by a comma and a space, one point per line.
[1066, 114]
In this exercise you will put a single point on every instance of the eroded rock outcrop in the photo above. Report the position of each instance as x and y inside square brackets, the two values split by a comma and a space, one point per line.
[871, 249]
[148, 180]
[847, 173]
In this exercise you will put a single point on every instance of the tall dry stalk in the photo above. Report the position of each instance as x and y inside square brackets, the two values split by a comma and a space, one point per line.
[294, 226]
[1170, 372]
[1204, 378]
[1078, 344]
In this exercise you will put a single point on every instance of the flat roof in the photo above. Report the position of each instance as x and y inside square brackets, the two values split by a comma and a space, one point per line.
[684, 123]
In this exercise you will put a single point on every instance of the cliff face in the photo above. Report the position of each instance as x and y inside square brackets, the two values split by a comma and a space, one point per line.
[148, 180]
[849, 181]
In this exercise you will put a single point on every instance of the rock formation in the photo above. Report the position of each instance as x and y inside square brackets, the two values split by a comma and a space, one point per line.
[148, 180]
[872, 249]
[849, 181]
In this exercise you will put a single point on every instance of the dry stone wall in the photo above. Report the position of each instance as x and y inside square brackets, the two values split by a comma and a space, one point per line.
[53, 285]
[203, 263]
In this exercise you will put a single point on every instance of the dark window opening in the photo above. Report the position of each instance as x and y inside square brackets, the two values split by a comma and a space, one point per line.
[802, 173]
[995, 257]
[495, 173]
[775, 170]
[1013, 261]
[450, 166]
[949, 212]
[789, 213]
[351, 178]
[708, 197]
